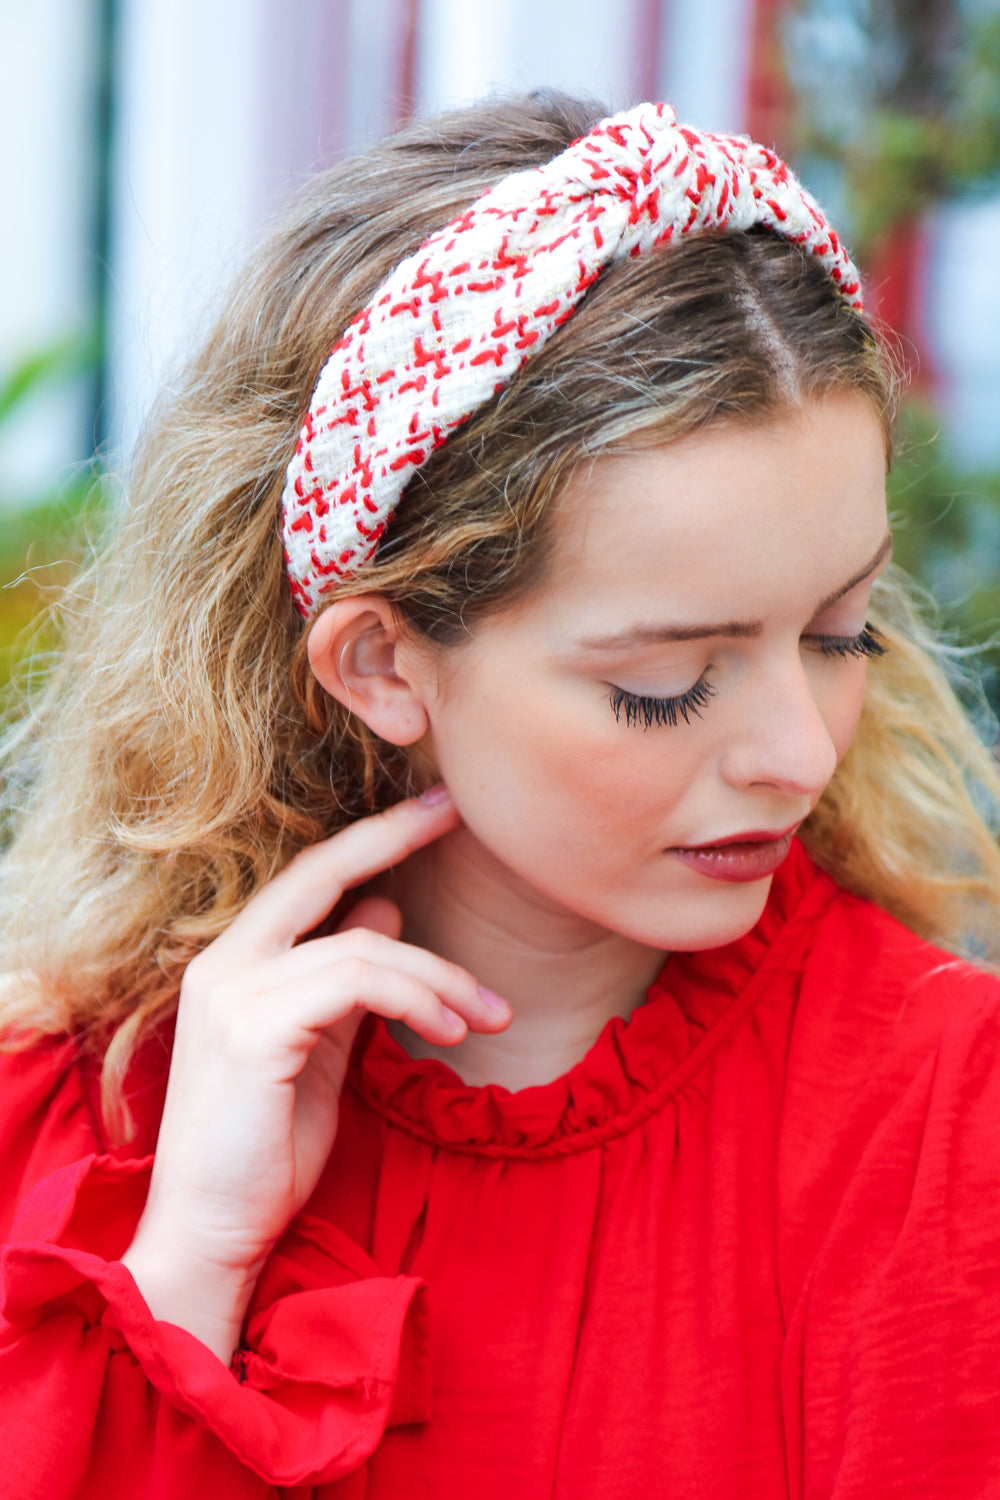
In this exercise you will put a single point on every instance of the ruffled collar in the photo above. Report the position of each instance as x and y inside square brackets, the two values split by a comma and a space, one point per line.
[631, 1070]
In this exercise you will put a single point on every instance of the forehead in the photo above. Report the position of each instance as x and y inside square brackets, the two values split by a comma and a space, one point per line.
[725, 516]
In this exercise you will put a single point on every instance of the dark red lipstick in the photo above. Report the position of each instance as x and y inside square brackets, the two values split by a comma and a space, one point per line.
[751, 855]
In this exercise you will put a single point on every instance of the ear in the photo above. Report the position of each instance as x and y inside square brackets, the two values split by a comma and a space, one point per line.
[355, 652]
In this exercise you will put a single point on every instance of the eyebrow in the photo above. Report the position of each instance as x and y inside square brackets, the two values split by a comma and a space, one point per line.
[645, 635]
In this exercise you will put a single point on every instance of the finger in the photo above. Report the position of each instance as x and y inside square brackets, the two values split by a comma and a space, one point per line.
[298, 899]
[326, 998]
[376, 914]
[453, 985]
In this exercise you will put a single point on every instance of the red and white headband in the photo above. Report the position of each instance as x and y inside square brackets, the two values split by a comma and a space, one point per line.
[454, 321]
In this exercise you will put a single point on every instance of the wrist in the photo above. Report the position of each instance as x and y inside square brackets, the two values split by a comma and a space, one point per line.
[182, 1286]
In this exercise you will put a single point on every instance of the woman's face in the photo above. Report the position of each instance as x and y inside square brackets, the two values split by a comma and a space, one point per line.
[690, 673]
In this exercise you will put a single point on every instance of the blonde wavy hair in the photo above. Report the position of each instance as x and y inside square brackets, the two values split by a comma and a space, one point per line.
[180, 751]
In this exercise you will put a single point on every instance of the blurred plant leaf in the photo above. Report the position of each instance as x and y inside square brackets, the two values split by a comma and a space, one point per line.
[40, 542]
[900, 100]
[63, 359]
[40, 548]
[946, 531]
[911, 115]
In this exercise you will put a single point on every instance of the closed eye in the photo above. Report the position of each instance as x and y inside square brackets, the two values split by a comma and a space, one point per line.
[868, 642]
[637, 709]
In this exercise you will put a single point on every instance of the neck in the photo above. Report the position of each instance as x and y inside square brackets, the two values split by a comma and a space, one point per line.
[564, 976]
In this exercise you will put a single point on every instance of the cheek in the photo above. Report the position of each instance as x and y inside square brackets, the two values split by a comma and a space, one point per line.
[840, 702]
[546, 761]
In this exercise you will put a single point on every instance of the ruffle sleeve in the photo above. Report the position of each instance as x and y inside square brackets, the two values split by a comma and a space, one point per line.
[99, 1398]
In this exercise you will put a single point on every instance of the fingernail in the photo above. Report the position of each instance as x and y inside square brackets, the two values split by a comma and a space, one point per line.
[493, 1001]
[435, 795]
[452, 1020]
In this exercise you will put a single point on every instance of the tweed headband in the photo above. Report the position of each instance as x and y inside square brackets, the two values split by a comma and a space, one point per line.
[458, 318]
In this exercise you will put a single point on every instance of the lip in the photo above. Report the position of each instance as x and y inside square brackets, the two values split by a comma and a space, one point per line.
[751, 855]
[748, 836]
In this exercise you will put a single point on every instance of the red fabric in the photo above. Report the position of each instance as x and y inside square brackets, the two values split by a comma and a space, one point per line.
[749, 1246]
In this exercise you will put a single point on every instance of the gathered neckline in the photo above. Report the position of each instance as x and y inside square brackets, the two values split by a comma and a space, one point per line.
[632, 1069]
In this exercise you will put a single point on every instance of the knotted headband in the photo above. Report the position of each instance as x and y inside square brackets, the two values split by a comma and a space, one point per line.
[455, 320]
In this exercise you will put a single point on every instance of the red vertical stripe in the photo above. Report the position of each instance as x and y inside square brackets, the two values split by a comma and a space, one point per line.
[649, 23]
[896, 292]
[408, 31]
[769, 100]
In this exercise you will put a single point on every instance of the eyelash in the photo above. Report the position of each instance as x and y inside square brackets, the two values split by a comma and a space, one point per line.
[638, 709]
[650, 711]
[868, 643]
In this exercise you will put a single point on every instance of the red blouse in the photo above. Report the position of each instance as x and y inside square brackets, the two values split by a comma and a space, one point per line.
[749, 1246]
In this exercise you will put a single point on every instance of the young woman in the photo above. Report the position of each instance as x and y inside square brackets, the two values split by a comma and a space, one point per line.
[526, 914]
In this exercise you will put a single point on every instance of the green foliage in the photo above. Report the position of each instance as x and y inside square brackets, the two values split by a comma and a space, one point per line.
[903, 98]
[38, 373]
[38, 541]
[975, 139]
[39, 549]
[899, 101]
[946, 527]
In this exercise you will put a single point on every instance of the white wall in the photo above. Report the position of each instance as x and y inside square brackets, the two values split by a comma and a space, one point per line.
[47, 83]
[702, 64]
[189, 171]
[963, 326]
[468, 50]
[225, 103]
[223, 106]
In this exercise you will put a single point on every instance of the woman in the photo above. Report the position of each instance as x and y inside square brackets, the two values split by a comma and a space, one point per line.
[665, 1160]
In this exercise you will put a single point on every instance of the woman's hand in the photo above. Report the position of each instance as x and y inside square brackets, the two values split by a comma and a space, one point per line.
[264, 1033]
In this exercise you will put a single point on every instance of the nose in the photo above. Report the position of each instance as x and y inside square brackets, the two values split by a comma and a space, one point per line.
[782, 739]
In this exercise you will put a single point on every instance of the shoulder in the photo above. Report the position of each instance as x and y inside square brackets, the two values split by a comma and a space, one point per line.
[889, 1210]
[892, 1082]
[860, 1002]
[874, 997]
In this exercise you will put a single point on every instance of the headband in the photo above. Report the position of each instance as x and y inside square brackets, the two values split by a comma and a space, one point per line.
[454, 321]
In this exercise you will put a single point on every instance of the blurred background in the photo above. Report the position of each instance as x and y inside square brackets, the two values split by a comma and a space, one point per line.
[146, 142]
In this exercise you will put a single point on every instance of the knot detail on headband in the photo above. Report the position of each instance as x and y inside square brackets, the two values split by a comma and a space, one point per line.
[458, 318]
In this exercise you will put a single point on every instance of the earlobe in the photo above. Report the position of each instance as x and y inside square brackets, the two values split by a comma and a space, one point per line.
[354, 654]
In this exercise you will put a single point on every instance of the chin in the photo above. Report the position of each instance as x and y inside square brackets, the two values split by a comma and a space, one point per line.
[711, 918]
